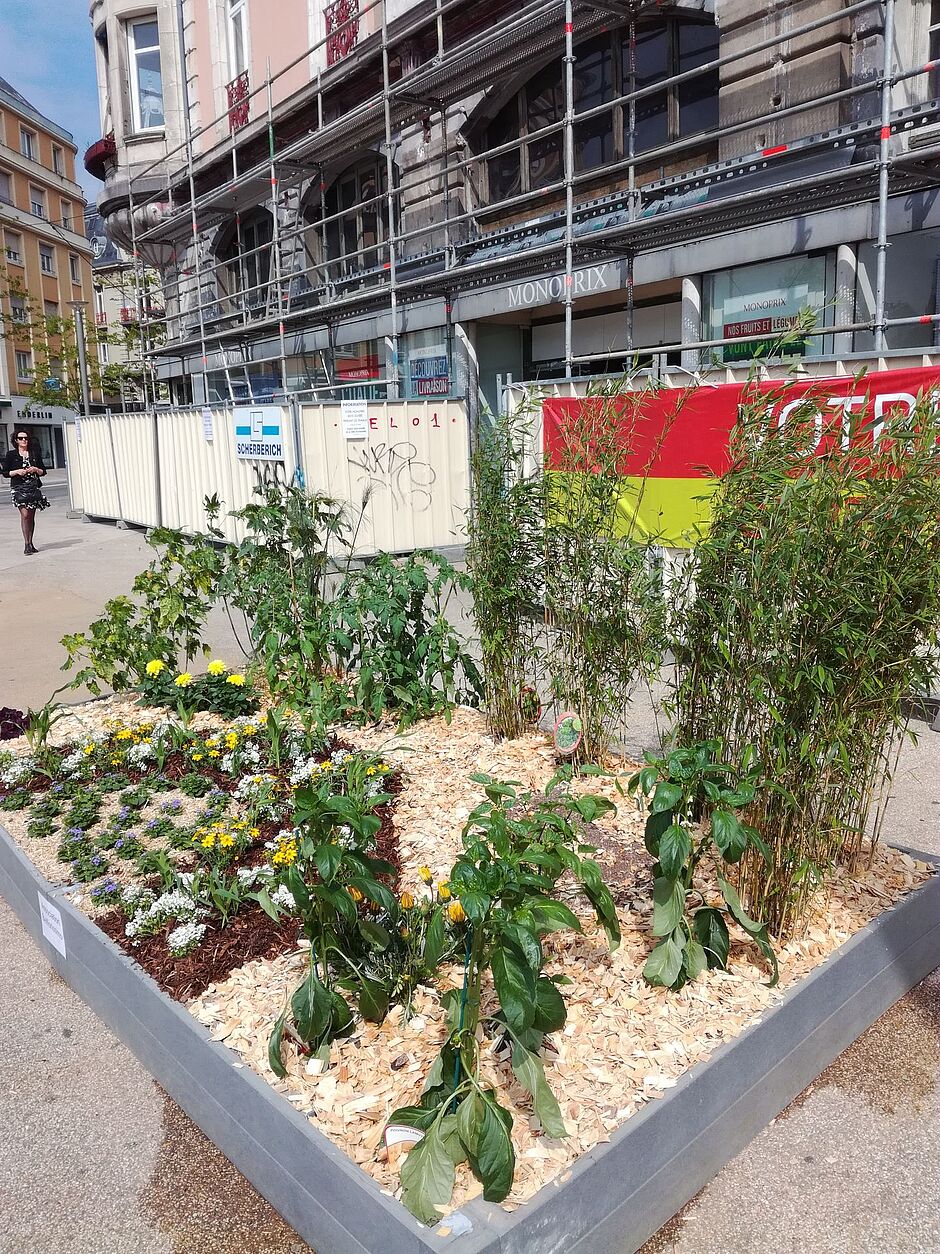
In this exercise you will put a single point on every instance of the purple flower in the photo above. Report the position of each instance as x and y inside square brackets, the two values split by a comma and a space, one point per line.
[119, 844]
[76, 831]
[96, 860]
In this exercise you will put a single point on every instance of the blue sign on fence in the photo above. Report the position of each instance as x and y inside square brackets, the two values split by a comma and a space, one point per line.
[259, 434]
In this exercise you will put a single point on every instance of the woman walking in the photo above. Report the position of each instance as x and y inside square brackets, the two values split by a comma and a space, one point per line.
[24, 468]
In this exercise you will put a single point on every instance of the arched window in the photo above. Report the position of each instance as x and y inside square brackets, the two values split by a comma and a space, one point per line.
[604, 69]
[247, 251]
[357, 211]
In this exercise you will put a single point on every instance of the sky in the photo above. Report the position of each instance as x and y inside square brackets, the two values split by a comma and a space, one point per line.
[47, 53]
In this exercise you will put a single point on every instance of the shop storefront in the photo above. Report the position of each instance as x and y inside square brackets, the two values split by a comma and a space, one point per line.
[45, 423]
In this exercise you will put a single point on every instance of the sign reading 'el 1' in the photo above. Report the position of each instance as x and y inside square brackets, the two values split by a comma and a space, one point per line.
[259, 434]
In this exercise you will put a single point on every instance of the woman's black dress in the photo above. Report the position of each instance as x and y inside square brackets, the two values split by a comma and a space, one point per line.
[25, 490]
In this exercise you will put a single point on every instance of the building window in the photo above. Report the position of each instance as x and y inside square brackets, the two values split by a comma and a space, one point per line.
[237, 37]
[58, 160]
[65, 207]
[13, 247]
[24, 364]
[248, 253]
[6, 188]
[103, 352]
[46, 259]
[18, 309]
[357, 202]
[75, 268]
[145, 74]
[50, 309]
[28, 146]
[37, 202]
[606, 67]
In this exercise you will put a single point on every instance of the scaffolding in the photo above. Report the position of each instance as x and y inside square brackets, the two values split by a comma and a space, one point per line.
[285, 285]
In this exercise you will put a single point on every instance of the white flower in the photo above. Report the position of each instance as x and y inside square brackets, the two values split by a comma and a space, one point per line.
[18, 769]
[183, 939]
[282, 896]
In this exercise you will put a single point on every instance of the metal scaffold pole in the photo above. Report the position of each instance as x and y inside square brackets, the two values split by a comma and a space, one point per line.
[392, 370]
[631, 169]
[884, 165]
[188, 131]
[276, 233]
[569, 186]
[142, 302]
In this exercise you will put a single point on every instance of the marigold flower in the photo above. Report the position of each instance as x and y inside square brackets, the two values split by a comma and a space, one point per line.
[425, 873]
[216, 667]
[155, 667]
[407, 901]
[237, 681]
[443, 891]
[184, 680]
[456, 912]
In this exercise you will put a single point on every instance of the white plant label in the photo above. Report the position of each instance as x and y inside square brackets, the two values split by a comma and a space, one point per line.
[51, 919]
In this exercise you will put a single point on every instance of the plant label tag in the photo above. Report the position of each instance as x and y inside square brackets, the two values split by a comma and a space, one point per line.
[355, 419]
[207, 428]
[399, 1138]
[51, 920]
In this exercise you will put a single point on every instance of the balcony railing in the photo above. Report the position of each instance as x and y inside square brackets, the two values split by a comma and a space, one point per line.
[238, 101]
[128, 314]
[342, 29]
[101, 319]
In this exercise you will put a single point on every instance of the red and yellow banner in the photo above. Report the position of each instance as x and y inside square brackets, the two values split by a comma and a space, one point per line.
[676, 441]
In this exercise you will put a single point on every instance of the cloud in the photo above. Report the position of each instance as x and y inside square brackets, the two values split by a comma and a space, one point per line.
[47, 53]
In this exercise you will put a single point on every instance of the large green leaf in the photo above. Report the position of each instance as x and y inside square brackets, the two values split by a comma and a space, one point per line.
[328, 859]
[709, 926]
[514, 981]
[666, 797]
[530, 1072]
[664, 965]
[729, 835]
[374, 934]
[598, 894]
[470, 1121]
[546, 915]
[427, 1178]
[274, 1046]
[341, 1019]
[434, 940]
[656, 824]
[550, 1012]
[373, 1001]
[494, 1161]
[311, 1010]
[668, 905]
[526, 942]
[414, 1116]
[756, 930]
[674, 849]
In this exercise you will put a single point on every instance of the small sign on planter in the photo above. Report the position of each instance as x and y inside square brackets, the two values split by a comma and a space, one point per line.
[51, 920]
[568, 733]
[399, 1138]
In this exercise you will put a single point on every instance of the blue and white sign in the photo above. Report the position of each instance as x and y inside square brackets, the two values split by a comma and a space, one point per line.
[259, 433]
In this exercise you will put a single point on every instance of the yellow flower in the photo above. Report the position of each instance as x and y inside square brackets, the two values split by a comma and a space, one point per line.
[231, 741]
[407, 901]
[197, 757]
[286, 853]
[237, 681]
[254, 833]
[354, 893]
[226, 840]
[250, 730]
[184, 680]
[425, 873]
[208, 841]
[370, 770]
[456, 912]
[89, 749]
[213, 753]
[443, 891]
[126, 734]
[216, 667]
[155, 667]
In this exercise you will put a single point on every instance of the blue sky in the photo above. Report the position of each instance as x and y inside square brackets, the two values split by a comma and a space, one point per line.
[47, 53]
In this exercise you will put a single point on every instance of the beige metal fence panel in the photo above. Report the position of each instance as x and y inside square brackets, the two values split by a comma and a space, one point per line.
[407, 461]
[193, 467]
[73, 463]
[100, 496]
[135, 467]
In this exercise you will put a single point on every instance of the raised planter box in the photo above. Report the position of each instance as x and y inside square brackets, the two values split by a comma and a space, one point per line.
[612, 1199]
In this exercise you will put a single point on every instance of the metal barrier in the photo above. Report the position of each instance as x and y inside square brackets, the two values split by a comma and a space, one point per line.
[402, 467]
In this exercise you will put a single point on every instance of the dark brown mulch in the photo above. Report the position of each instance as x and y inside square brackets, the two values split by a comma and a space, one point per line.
[251, 934]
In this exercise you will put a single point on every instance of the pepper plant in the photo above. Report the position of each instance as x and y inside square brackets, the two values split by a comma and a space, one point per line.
[516, 848]
[687, 785]
[323, 865]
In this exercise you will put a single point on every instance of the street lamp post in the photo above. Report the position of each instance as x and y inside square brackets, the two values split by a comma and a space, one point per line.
[78, 306]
